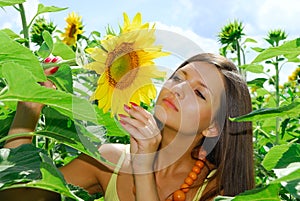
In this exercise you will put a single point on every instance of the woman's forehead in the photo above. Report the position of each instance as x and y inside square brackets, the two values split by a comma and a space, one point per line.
[207, 73]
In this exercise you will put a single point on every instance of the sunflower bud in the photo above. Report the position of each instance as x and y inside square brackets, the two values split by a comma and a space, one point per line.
[37, 29]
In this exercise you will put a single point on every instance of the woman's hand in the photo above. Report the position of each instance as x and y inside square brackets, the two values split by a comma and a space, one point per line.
[145, 136]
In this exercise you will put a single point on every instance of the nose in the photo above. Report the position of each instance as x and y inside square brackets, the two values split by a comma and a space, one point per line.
[178, 90]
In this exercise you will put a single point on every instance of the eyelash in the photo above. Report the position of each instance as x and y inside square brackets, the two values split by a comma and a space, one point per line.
[176, 78]
[197, 92]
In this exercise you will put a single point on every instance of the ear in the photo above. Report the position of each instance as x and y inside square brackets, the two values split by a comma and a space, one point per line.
[211, 131]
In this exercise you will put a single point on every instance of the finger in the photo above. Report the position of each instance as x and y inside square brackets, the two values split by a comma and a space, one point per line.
[48, 84]
[133, 131]
[51, 71]
[140, 114]
[142, 111]
[136, 123]
[146, 131]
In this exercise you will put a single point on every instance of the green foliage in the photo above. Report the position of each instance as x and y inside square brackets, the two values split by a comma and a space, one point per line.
[18, 55]
[28, 166]
[10, 2]
[39, 26]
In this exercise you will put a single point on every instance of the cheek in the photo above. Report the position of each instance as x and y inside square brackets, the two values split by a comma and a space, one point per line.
[195, 119]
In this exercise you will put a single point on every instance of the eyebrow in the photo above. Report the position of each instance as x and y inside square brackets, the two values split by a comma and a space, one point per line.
[198, 81]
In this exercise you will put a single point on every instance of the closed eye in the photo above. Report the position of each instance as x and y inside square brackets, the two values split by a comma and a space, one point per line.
[198, 93]
[176, 78]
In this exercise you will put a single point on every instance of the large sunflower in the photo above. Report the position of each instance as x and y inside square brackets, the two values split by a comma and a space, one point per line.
[125, 63]
[73, 29]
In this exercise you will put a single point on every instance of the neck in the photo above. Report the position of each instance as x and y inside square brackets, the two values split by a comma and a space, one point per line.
[175, 148]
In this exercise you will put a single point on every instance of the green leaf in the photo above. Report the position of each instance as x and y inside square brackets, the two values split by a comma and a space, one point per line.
[111, 124]
[63, 79]
[293, 188]
[290, 49]
[68, 132]
[10, 2]
[47, 9]
[63, 50]
[291, 110]
[250, 40]
[13, 52]
[26, 89]
[253, 68]
[282, 155]
[44, 51]
[259, 82]
[11, 34]
[28, 166]
[288, 174]
[48, 39]
[269, 193]
[258, 49]
[47, 46]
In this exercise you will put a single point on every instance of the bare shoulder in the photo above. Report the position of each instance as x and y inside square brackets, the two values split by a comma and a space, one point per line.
[112, 152]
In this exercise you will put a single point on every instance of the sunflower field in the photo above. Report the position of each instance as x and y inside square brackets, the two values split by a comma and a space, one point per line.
[91, 88]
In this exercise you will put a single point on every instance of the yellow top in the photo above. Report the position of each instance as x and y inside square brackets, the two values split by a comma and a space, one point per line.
[111, 193]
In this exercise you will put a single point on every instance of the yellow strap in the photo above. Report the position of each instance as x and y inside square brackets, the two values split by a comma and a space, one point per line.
[111, 193]
[202, 188]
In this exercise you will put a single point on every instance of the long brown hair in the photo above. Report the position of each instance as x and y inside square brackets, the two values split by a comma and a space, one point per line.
[232, 153]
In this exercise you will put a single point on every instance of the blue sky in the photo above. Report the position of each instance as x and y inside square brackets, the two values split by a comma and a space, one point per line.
[198, 20]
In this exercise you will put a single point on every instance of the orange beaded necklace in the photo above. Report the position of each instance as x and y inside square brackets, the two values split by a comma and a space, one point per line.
[179, 195]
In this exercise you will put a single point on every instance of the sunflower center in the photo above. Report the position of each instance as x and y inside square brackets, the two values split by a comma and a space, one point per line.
[122, 66]
[72, 30]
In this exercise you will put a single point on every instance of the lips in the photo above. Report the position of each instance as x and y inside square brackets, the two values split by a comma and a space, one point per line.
[169, 103]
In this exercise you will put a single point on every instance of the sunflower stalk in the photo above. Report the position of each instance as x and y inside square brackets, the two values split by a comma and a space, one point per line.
[24, 24]
[274, 38]
[277, 97]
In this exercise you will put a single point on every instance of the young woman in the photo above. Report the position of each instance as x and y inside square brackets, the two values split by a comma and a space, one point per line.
[187, 150]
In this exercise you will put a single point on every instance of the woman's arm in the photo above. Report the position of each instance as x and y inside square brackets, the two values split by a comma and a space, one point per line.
[25, 120]
[145, 138]
[27, 116]
[81, 171]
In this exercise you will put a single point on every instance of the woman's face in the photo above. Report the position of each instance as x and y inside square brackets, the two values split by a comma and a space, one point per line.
[190, 98]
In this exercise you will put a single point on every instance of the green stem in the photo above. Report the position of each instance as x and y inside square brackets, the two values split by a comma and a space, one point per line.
[277, 99]
[238, 48]
[9, 137]
[71, 62]
[24, 25]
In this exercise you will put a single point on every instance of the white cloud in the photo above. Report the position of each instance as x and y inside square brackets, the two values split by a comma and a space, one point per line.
[10, 17]
[187, 39]
[274, 14]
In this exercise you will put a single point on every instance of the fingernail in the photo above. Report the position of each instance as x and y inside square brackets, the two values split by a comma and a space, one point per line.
[122, 115]
[134, 104]
[126, 108]
[122, 122]
[55, 59]
[54, 69]
[47, 60]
